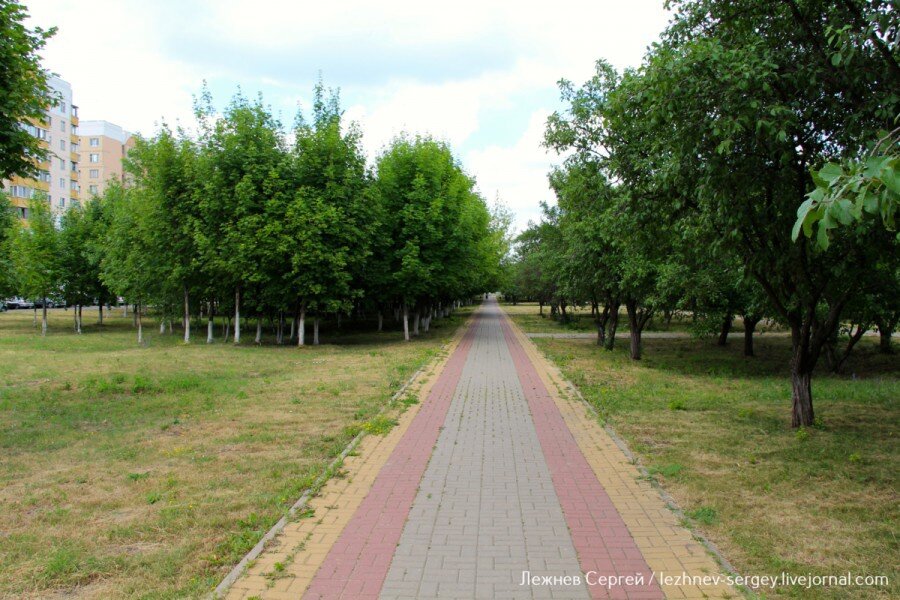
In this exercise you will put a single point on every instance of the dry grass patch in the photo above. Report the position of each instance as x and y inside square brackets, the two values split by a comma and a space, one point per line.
[147, 472]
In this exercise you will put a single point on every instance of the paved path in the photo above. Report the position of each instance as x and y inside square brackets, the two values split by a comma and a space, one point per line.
[495, 486]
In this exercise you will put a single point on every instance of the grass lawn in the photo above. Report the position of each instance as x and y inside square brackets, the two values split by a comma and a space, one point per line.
[148, 472]
[714, 428]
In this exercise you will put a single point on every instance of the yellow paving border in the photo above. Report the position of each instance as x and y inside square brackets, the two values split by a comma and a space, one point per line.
[667, 546]
[286, 567]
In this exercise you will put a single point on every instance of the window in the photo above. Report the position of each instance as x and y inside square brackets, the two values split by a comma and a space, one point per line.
[44, 176]
[49, 121]
[95, 142]
[62, 203]
[62, 106]
[62, 163]
[74, 185]
[93, 188]
[62, 126]
[74, 167]
[62, 145]
[62, 183]
[20, 191]
[95, 173]
[95, 158]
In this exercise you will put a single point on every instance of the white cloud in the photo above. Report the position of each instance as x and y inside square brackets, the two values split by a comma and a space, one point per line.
[517, 173]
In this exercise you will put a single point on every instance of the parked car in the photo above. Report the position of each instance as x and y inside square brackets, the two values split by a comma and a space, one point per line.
[39, 303]
[3, 306]
[17, 302]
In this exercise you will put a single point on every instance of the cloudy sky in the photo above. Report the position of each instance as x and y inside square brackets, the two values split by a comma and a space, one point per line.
[481, 75]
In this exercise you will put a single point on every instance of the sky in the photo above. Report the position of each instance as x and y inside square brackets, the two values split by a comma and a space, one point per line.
[480, 75]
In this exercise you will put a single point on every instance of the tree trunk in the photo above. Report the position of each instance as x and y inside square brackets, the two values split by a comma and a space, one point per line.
[44, 318]
[541, 308]
[316, 330]
[34, 318]
[405, 322]
[134, 316]
[801, 395]
[885, 333]
[380, 321]
[75, 320]
[801, 378]
[258, 339]
[749, 328]
[162, 326]
[339, 320]
[187, 316]
[612, 327]
[79, 318]
[226, 329]
[727, 322]
[293, 326]
[416, 323]
[124, 309]
[140, 324]
[209, 325]
[237, 315]
[100, 309]
[636, 321]
[301, 326]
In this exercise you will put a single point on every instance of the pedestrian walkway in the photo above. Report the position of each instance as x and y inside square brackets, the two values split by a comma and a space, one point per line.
[497, 485]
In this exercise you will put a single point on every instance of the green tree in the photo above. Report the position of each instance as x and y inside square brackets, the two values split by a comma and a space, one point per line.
[327, 223]
[240, 157]
[7, 230]
[36, 254]
[24, 91]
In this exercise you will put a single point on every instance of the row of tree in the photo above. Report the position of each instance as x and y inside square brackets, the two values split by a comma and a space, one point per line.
[239, 221]
[682, 180]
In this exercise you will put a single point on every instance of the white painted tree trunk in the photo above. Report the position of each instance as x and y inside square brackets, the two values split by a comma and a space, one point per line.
[209, 329]
[293, 328]
[187, 317]
[258, 339]
[124, 309]
[405, 322]
[140, 324]
[316, 331]
[79, 318]
[237, 316]
[162, 327]
[44, 318]
[301, 327]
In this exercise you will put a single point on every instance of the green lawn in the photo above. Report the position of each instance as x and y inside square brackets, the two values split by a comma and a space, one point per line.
[147, 472]
[714, 428]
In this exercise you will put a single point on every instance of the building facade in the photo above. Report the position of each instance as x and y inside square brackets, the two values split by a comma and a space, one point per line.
[103, 147]
[57, 177]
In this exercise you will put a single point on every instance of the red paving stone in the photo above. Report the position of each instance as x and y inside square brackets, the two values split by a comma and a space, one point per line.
[600, 536]
[356, 566]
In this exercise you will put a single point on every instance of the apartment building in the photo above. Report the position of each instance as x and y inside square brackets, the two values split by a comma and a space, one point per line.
[57, 177]
[104, 146]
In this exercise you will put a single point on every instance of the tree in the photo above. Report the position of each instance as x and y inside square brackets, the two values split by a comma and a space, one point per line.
[35, 255]
[24, 91]
[435, 231]
[239, 159]
[163, 172]
[130, 266]
[746, 97]
[79, 274]
[327, 222]
[7, 230]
